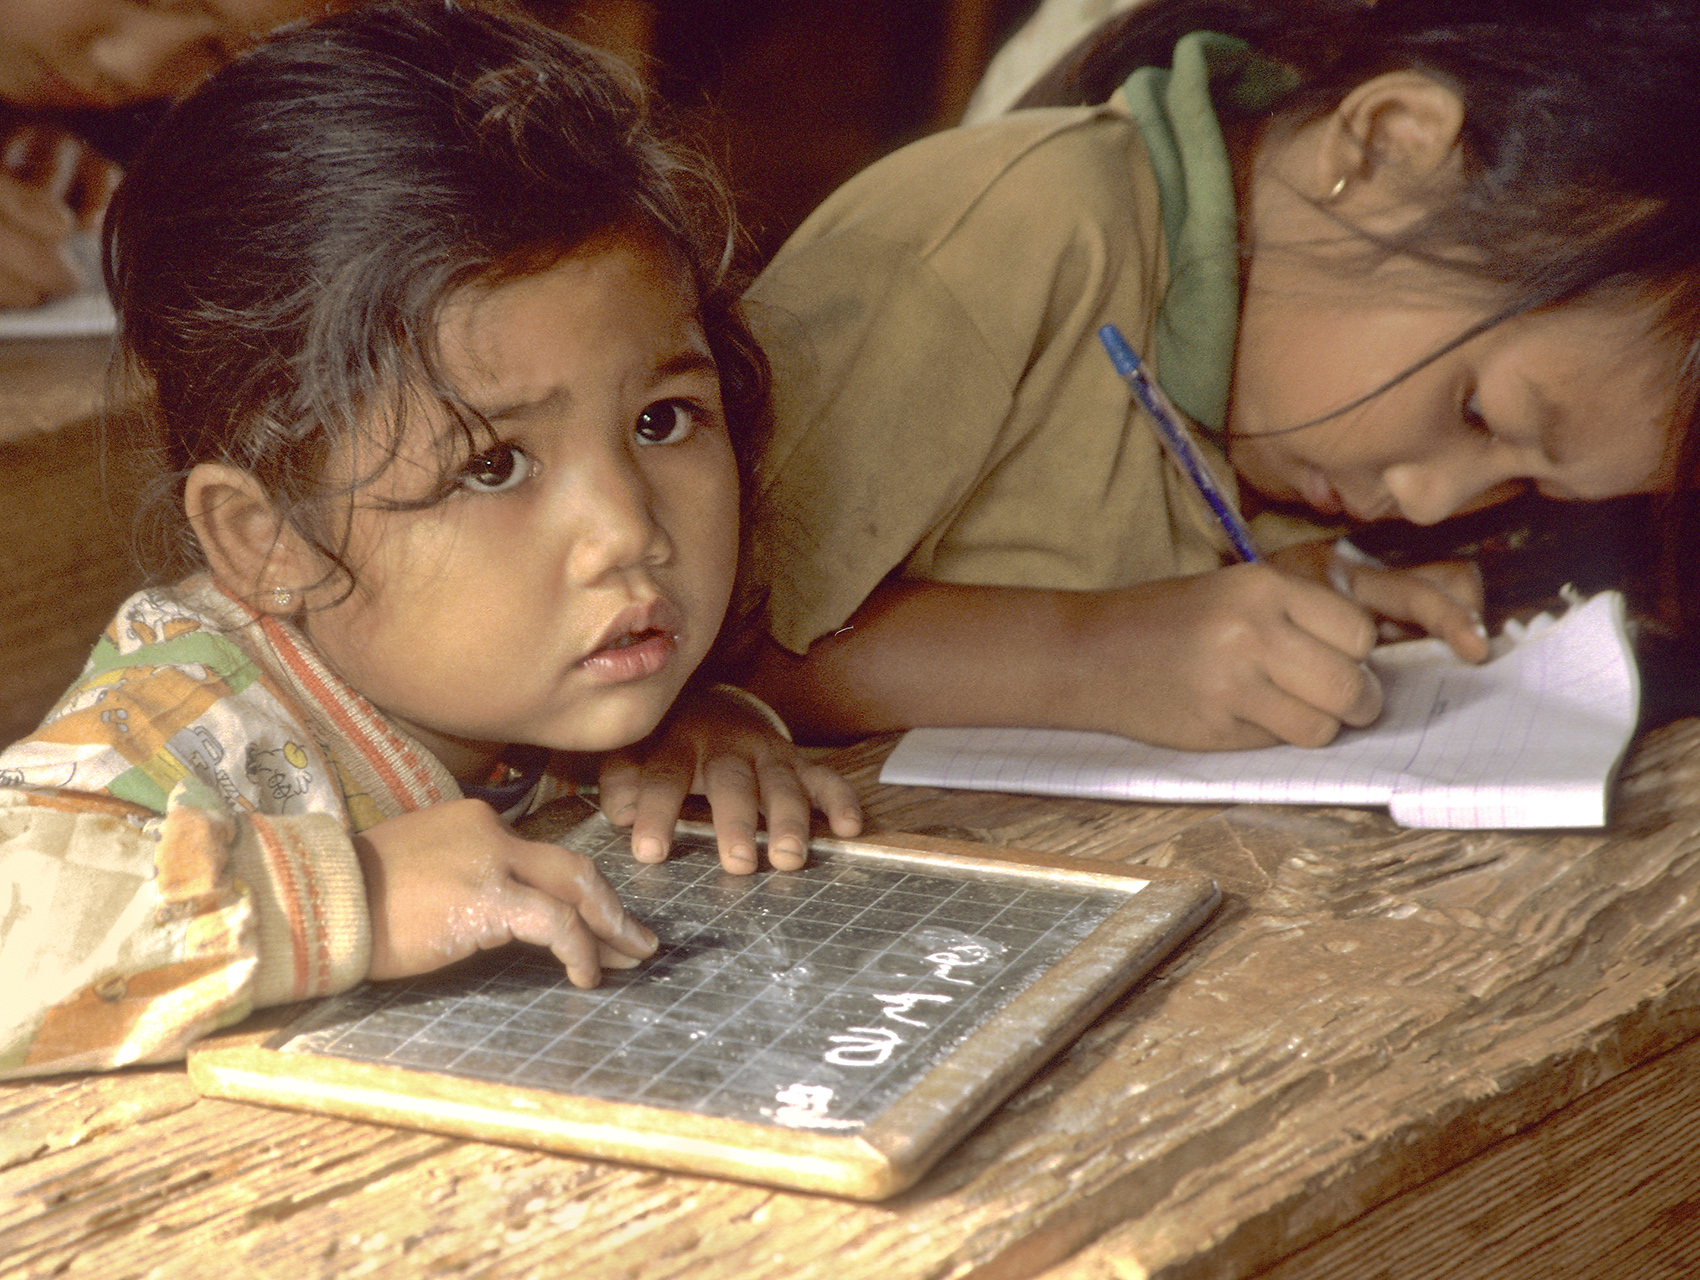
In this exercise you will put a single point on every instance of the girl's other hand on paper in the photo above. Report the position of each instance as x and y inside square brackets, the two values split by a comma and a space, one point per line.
[713, 745]
[452, 879]
[1442, 599]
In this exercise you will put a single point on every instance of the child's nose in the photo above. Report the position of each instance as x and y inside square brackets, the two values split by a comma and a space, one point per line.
[158, 54]
[1429, 492]
[612, 521]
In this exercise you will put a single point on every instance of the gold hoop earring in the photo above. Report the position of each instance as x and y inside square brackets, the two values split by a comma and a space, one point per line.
[1337, 190]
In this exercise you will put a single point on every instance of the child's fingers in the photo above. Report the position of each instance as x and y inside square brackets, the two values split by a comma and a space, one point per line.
[735, 801]
[1308, 701]
[1331, 618]
[33, 265]
[564, 903]
[648, 796]
[833, 795]
[1442, 600]
[788, 806]
[1317, 678]
[619, 778]
[1459, 579]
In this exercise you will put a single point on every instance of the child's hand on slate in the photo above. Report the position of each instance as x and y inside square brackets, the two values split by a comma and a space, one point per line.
[452, 879]
[714, 744]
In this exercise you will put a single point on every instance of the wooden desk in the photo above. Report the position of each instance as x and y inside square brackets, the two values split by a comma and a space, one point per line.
[1390, 1053]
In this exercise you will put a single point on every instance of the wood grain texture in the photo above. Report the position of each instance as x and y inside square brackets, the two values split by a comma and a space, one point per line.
[1369, 1012]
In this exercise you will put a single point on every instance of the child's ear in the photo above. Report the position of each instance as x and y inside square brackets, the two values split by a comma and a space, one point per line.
[1390, 140]
[251, 549]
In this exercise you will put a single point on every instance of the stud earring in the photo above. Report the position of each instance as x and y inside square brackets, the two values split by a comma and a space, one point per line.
[282, 597]
[1337, 190]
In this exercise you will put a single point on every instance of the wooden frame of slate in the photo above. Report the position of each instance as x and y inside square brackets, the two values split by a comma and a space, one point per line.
[835, 1029]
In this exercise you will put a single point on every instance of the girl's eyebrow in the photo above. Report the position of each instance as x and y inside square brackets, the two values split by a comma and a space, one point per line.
[684, 364]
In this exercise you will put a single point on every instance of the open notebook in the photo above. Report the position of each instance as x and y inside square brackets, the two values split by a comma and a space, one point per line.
[1530, 739]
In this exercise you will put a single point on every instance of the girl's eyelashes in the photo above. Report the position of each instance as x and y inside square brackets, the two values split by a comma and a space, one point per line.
[1472, 415]
[667, 422]
[502, 466]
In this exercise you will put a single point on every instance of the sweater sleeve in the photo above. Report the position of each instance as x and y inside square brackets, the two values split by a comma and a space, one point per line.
[175, 851]
[127, 935]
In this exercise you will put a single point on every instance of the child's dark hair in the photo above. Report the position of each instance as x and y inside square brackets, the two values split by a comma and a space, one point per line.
[281, 251]
[1580, 148]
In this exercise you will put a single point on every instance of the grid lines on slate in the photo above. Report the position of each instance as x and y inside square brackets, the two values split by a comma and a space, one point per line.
[850, 978]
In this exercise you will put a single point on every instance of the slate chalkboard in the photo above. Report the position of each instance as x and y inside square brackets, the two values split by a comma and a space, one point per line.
[834, 1029]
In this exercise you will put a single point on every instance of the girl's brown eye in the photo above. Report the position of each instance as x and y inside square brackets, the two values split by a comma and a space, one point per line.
[500, 467]
[666, 422]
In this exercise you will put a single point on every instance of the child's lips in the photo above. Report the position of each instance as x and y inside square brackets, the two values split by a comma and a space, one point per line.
[635, 656]
[1320, 494]
[640, 642]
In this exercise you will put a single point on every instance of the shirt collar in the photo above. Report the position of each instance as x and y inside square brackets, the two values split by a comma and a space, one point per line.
[1175, 109]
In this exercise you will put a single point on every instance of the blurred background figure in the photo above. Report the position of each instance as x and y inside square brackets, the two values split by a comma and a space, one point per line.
[80, 83]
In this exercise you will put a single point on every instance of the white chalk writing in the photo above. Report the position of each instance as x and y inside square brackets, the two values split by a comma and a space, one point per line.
[896, 1006]
[863, 1047]
[805, 1106]
[960, 956]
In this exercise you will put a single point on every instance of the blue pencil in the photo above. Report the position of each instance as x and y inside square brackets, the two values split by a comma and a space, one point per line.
[1176, 438]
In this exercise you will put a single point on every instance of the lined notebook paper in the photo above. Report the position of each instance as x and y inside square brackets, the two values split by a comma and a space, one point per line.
[1531, 738]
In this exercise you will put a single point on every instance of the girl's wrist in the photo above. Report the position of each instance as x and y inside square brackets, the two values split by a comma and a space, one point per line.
[749, 701]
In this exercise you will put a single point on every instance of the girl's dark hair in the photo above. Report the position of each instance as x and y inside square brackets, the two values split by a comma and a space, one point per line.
[281, 250]
[1580, 148]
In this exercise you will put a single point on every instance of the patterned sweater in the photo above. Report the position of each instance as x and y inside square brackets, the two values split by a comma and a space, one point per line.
[176, 838]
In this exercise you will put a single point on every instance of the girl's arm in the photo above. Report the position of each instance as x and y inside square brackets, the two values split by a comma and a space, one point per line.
[451, 879]
[1238, 657]
[715, 743]
[130, 935]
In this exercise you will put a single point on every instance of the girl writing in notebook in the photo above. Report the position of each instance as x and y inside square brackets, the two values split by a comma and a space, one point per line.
[1399, 260]
[435, 327]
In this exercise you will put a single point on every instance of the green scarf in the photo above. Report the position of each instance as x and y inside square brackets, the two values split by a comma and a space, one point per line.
[1198, 322]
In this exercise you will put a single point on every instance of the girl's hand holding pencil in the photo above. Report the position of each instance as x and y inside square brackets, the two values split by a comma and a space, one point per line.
[1240, 657]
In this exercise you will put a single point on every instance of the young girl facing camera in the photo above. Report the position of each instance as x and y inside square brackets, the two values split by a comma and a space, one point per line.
[436, 330]
[1401, 260]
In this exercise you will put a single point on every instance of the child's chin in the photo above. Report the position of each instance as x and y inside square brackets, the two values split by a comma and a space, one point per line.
[625, 721]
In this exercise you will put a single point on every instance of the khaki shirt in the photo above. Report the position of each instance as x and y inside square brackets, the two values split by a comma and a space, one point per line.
[943, 408]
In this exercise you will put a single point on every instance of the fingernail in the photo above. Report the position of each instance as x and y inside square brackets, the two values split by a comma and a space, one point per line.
[788, 846]
[649, 849]
[742, 853]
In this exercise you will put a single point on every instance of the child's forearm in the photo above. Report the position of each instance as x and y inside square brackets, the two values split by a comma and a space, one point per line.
[1239, 657]
[931, 653]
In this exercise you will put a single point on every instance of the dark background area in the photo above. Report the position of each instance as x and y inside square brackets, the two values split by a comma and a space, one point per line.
[797, 95]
